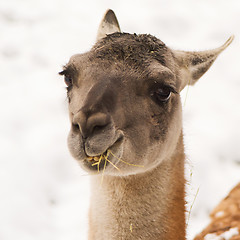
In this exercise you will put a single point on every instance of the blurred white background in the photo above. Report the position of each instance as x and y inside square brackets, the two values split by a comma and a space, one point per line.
[43, 192]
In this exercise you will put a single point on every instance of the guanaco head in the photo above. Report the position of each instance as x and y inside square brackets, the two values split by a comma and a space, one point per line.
[124, 99]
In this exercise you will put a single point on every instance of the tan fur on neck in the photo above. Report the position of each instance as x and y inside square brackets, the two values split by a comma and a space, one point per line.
[143, 206]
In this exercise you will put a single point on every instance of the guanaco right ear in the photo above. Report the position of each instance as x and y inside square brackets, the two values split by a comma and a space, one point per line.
[194, 64]
[108, 25]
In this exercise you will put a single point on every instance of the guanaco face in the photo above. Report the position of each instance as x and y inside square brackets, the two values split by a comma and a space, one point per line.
[124, 103]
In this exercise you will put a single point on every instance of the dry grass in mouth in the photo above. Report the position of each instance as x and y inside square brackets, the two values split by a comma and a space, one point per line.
[105, 157]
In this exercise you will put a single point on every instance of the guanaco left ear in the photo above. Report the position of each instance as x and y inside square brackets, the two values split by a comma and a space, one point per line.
[194, 64]
[108, 25]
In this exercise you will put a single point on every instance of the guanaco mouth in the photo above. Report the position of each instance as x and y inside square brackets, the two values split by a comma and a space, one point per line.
[97, 163]
[100, 162]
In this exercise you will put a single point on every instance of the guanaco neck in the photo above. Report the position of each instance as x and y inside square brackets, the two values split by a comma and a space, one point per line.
[144, 206]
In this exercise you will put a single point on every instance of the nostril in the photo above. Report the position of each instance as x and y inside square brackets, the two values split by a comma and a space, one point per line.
[97, 122]
[79, 122]
[98, 128]
[75, 127]
[90, 124]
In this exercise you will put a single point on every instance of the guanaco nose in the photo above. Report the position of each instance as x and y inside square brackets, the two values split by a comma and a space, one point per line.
[90, 125]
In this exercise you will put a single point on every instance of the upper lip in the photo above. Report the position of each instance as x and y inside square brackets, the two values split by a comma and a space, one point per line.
[89, 158]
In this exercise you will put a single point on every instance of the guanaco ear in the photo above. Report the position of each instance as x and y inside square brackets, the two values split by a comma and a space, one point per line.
[108, 25]
[194, 64]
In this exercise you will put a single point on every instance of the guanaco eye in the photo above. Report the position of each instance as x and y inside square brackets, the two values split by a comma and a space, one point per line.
[68, 81]
[161, 94]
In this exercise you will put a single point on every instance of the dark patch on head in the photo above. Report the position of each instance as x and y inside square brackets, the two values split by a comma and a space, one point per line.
[132, 49]
[109, 99]
[102, 97]
[160, 129]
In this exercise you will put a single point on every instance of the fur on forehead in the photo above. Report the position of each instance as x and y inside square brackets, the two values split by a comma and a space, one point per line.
[133, 49]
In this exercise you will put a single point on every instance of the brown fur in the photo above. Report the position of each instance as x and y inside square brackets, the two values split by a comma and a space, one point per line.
[124, 98]
[225, 216]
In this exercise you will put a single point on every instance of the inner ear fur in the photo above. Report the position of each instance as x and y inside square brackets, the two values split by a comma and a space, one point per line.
[108, 25]
[194, 64]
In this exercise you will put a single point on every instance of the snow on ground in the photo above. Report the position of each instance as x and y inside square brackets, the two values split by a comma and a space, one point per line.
[43, 193]
[226, 235]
